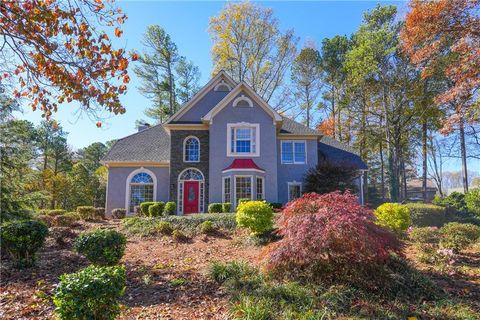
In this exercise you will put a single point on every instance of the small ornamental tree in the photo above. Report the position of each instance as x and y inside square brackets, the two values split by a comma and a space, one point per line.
[256, 216]
[327, 238]
[328, 177]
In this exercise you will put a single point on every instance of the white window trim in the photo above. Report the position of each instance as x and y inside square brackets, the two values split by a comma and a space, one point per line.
[293, 146]
[222, 83]
[263, 187]
[127, 187]
[201, 200]
[243, 98]
[293, 183]
[235, 187]
[223, 188]
[184, 145]
[230, 126]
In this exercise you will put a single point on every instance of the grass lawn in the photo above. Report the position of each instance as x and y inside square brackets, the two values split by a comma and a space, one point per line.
[173, 280]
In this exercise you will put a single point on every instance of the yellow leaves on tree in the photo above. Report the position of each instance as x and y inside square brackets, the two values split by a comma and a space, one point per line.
[61, 56]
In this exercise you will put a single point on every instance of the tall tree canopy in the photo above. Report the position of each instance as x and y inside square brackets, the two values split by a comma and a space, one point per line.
[445, 35]
[164, 74]
[248, 44]
[54, 51]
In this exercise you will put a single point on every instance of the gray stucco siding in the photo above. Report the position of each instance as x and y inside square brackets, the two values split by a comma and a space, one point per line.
[203, 106]
[117, 185]
[294, 172]
[267, 159]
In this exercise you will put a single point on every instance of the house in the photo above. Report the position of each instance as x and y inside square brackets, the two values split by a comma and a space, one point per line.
[415, 190]
[226, 143]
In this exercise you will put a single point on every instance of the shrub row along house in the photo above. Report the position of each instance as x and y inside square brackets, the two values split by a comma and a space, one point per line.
[225, 144]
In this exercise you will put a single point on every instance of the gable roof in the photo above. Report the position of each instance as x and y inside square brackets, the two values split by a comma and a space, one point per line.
[242, 86]
[292, 127]
[334, 151]
[149, 145]
[221, 75]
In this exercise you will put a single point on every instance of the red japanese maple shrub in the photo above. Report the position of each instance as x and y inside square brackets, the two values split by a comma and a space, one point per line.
[327, 238]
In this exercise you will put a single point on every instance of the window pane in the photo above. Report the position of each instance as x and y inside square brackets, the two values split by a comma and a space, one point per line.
[259, 189]
[243, 133]
[192, 150]
[226, 190]
[287, 152]
[300, 152]
[139, 194]
[243, 146]
[243, 188]
[142, 177]
[294, 192]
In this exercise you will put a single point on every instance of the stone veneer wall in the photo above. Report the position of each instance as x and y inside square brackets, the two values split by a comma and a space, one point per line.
[176, 159]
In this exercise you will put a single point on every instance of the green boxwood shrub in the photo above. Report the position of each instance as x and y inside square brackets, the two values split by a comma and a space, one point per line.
[170, 208]
[144, 207]
[164, 227]
[55, 212]
[276, 205]
[393, 216]
[226, 207]
[179, 236]
[459, 236]
[99, 213]
[156, 209]
[472, 201]
[427, 215]
[64, 220]
[215, 208]
[101, 247]
[86, 212]
[119, 213]
[207, 227]
[255, 215]
[455, 200]
[91, 293]
[21, 239]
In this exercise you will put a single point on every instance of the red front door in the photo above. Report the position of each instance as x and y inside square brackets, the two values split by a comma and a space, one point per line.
[190, 196]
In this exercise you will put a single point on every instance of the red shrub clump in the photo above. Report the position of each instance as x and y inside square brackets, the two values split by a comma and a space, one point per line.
[327, 237]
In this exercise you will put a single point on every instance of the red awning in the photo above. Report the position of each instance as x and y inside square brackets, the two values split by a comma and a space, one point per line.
[243, 164]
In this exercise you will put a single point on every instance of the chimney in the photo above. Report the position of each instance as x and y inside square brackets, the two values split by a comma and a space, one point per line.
[143, 126]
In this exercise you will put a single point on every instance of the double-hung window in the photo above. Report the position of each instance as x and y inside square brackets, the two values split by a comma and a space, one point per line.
[293, 152]
[294, 190]
[260, 189]
[243, 188]
[243, 139]
[226, 190]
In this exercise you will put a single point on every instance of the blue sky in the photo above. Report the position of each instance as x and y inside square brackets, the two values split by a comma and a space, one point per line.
[187, 23]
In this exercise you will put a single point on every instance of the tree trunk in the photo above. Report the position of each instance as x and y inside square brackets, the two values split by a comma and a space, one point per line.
[463, 152]
[333, 113]
[424, 158]
[382, 171]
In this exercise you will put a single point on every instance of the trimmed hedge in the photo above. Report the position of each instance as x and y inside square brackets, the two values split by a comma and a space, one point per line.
[64, 220]
[156, 209]
[21, 239]
[226, 207]
[86, 212]
[91, 293]
[101, 247]
[144, 207]
[119, 213]
[148, 226]
[99, 213]
[170, 208]
[215, 208]
[56, 212]
[427, 215]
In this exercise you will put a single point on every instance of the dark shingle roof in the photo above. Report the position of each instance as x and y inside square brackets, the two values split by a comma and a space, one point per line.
[152, 145]
[336, 152]
[292, 127]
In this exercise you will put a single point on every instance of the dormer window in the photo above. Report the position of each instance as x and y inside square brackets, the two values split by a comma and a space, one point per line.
[222, 86]
[191, 149]
[243, 101]
[243, 139]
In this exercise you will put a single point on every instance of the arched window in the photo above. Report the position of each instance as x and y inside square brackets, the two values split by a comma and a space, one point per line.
[141, 189]
[222, 86]
[191, 147]
[242, 101]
